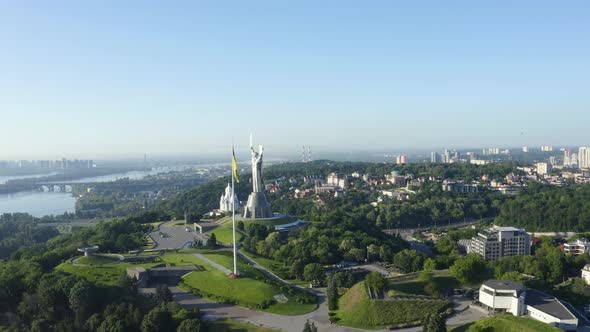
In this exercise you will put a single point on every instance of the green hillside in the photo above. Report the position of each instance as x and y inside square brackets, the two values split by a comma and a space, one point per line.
[506, 323]
[357, 310]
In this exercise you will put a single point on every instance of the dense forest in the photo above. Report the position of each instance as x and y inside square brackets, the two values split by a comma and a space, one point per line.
[548, 208]
[20, 230]
[35, 297]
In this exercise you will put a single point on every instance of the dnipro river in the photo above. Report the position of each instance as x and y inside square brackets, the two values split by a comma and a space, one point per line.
[38, 203]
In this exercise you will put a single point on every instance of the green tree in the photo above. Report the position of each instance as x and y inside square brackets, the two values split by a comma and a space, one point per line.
[212, 241]
[332, 293]
[434, 323]
[376, 281]
[429, 264]
[163, 294]
[93, 322]
[189, 325]
[373, 251]
[81, 296]
[112, 324]
[469, 268]
[314, 273]
[40, 325]
[297, 269]
[157, 320]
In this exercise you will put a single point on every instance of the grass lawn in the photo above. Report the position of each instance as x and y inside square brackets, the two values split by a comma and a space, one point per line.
[277, 221]
[150, 244]
[247, 290]
[416, 286]
[107, 275]
[506, 323]
[181, 260]
[215, 282]
[275, 267]
[227, 325]
[224, 233]
[96, 260]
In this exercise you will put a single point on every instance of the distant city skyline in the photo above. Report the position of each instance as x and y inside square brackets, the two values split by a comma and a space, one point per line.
[115, 80]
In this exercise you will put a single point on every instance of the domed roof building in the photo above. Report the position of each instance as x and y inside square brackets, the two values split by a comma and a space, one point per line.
[225, 202]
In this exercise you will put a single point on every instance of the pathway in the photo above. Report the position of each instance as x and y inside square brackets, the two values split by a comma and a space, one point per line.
[267, 272]
[213, 310]
[221, 268]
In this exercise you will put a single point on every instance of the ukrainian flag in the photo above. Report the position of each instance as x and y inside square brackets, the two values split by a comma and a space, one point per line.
[234, 165]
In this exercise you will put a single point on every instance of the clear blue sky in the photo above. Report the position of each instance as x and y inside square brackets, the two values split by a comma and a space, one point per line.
[120, 78]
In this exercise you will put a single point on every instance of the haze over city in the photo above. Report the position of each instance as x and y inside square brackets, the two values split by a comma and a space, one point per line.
[118, 79]
[294, 166]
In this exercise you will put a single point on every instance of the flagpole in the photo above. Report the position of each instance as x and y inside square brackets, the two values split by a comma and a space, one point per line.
[233, 209]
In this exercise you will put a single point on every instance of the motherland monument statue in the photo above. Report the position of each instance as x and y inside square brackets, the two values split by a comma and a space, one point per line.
[257, 206]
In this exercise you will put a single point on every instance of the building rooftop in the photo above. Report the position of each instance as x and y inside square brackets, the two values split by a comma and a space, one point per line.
[175, 268]
[503, 284]
[548, 304]
[506, 229]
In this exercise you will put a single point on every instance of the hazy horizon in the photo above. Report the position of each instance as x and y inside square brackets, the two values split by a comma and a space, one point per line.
[119, 79]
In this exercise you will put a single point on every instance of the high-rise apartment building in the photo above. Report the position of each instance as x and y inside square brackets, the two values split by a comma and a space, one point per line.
[543, 168]
[434, 157]
[584, 157]
[499, 242]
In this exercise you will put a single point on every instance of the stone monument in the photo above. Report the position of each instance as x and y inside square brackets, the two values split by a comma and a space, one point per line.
[257, 207]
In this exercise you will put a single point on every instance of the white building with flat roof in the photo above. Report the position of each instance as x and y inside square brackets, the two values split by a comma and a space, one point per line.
[586, 273]
[506, 296]
[578, 247]
[503, 296]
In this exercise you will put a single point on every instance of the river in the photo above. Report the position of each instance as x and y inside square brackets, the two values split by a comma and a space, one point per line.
[37, 203]
[132, 175]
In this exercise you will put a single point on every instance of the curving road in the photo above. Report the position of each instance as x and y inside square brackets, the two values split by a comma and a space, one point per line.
[213, 310]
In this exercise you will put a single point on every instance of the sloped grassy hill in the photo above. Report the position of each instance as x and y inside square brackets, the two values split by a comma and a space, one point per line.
[506, 323]
[357, 310]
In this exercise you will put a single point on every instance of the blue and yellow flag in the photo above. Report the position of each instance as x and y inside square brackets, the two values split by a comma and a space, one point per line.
[234, 165]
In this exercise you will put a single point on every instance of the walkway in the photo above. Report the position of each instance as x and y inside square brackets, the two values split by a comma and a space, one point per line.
[223, 269]
[213, 310]
[267, 272]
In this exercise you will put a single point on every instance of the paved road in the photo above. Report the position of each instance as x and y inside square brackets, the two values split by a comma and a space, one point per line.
[464, 312]
[213, 310]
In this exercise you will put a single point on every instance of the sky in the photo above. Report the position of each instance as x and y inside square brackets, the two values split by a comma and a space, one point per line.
[111, 79]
